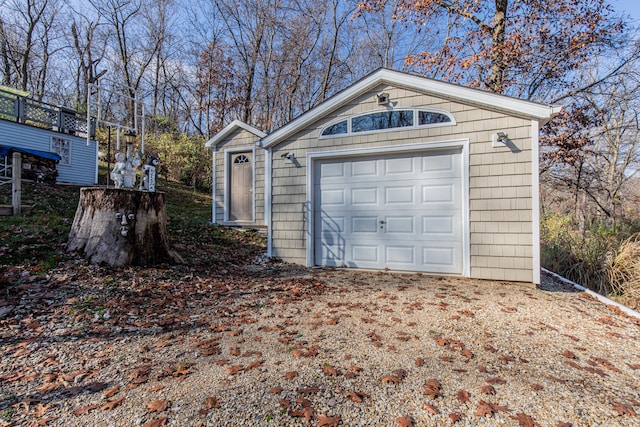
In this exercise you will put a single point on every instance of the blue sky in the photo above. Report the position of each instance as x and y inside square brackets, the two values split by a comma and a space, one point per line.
[630, 7]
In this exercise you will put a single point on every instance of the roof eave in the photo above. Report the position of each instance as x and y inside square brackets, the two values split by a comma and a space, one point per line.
[541, 112]
[230, 128]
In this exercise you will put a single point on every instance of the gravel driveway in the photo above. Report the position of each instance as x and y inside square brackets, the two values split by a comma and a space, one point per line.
[279, 346]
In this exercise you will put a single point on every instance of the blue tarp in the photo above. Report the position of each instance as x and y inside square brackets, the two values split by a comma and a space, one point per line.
[5, 150]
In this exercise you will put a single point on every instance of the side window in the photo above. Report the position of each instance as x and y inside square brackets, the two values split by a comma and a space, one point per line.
[335, 129]
[432, 118]
[61, 147]
[382, 120]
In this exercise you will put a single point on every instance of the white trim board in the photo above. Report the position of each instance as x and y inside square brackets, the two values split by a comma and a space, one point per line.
[385, 76]
[395, 149]
[229, 129]
[596, 295]
[535, 201]
[227, 153]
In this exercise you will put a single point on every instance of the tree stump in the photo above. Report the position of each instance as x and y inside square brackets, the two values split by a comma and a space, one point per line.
[120, 227]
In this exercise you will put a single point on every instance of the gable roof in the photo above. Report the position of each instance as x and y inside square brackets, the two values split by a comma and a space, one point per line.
[229, 129]
[534, 110]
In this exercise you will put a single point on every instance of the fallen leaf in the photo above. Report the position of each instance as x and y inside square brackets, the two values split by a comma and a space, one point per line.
[157, 405]
[624, 409]
[431, 409]
[290, 375]
[537, 387]
[232, 370]
[525, 420]
[390, 379]
[156, 422]
[212, 403]
[564, 424]
[113, 390]
[488, 408]
[356, 396]
[432, 388]
[327, 421]
[455, 417]
[419, 361]
[495, 380]
[275, 390]
[463, 396]
[330, 370]
[111, 404]
[488, 389]
[307, 413]
[405, 421]
[85, 409]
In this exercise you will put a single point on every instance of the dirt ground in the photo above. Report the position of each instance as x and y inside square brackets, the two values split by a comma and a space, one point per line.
[277, 345]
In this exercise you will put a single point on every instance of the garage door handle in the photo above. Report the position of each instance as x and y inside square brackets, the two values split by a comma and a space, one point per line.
[382, 222]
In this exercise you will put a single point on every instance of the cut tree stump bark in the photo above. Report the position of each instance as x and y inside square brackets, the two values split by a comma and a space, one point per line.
[119, 227]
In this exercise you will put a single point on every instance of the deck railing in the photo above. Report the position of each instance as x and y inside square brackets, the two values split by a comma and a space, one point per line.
[29, 111]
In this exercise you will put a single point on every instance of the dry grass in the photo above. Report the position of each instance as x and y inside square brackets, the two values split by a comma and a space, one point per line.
[623, 268]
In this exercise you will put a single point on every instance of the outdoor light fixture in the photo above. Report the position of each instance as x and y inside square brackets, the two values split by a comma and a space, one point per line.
[382, 98]
[500, 139]
[289, 157]
[130, 137]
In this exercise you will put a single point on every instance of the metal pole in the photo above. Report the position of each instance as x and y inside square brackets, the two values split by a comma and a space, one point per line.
[108, 154]
[16, 184]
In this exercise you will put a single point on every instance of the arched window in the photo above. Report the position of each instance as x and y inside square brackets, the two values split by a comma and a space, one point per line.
[241, 159]
[387, 120]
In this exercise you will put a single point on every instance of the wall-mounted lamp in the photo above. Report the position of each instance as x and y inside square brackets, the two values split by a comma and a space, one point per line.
[500, 139]
[382, 98]
[289, 157]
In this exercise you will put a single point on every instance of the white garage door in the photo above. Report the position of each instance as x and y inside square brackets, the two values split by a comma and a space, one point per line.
[401, 211]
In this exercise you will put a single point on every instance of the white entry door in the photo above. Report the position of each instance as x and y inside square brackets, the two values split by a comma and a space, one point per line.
[401, 211]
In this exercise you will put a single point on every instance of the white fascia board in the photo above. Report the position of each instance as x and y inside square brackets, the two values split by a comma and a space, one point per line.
[464, 94]
[236, 124]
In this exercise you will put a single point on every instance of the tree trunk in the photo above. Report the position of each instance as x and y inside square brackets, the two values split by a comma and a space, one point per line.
[121, 227]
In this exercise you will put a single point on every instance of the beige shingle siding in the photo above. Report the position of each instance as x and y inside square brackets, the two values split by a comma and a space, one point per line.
[500, 180]
[240, 138]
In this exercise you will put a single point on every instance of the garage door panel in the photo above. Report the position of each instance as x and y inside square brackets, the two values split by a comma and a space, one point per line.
[399, 225]
[333, 170]
[364, 196]
[442, 259]
[434, 225]
[399, 166]
[401, 211]
[364, 224]
[331, 198]
[365, 253]
[438, 194]
[398, 195]
[366, 168]
[395, 254]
